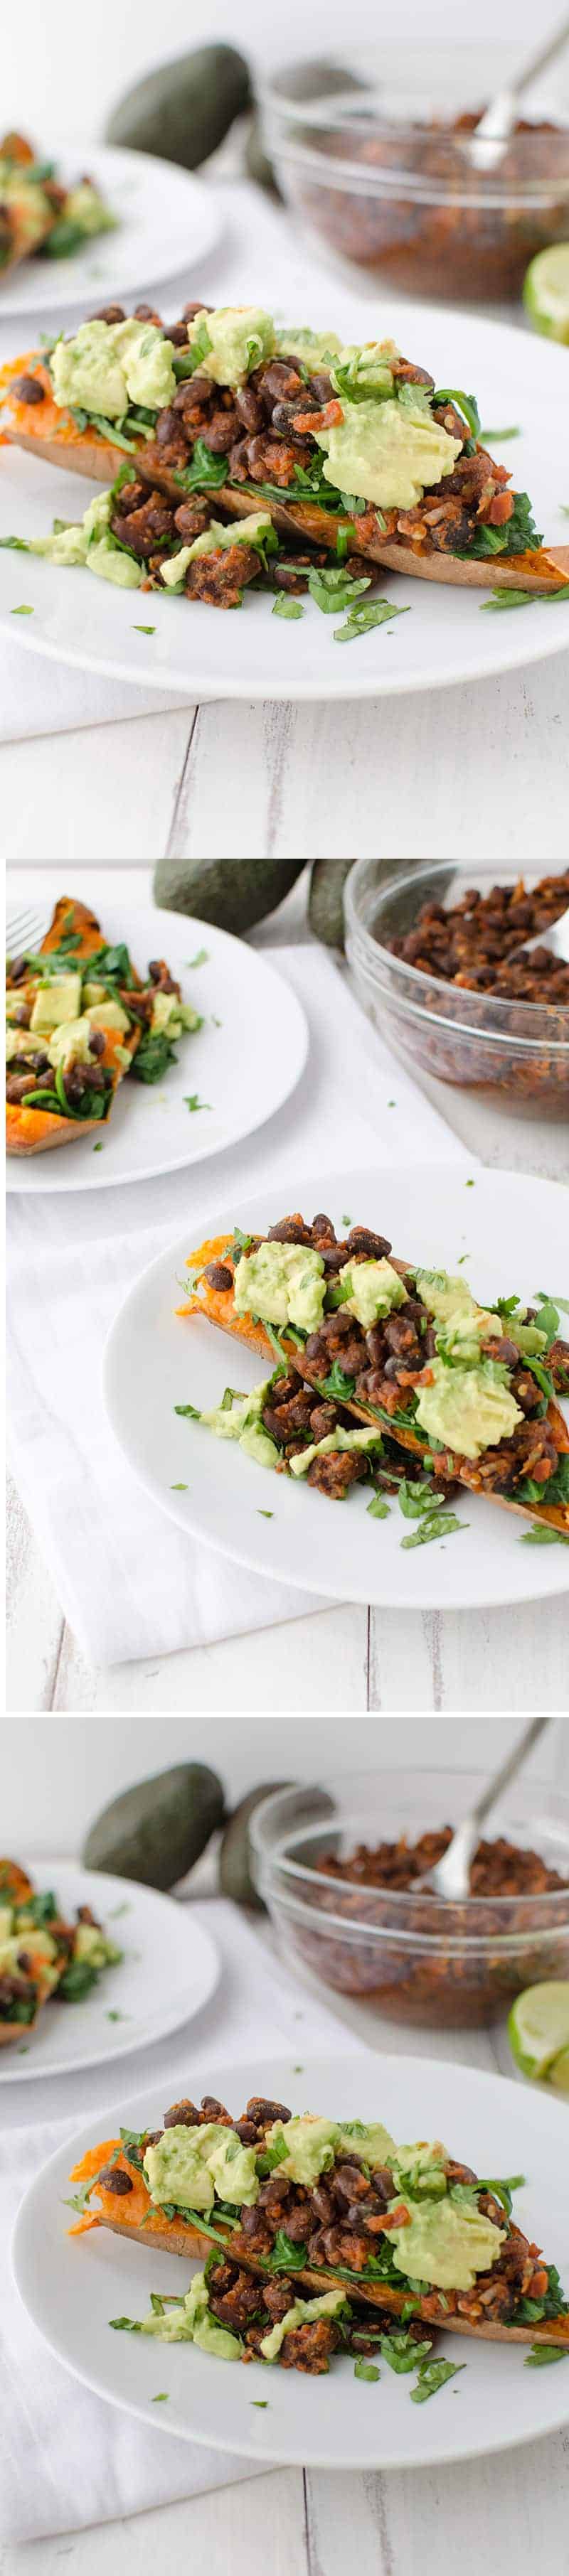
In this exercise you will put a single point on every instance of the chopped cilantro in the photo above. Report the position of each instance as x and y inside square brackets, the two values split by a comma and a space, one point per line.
[431, 2376]
[363, 616]
[285, 606]
[192, 1101]
[21, 612]
[542, 2353]
[366, 2370]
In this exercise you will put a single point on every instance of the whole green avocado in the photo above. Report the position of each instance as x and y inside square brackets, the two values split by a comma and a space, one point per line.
[234, 893]
[183, 110]
[155, 1831]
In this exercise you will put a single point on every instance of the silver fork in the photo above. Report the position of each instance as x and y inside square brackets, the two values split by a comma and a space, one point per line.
[24, 931]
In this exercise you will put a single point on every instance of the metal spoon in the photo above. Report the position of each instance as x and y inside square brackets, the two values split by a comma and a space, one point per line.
[451, 1875]
[556, 938]
[494, 128]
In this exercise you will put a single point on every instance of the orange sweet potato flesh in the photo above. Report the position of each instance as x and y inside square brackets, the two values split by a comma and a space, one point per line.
[138, 2220]
[35, 1131]
[217, 1305]
[43, 427]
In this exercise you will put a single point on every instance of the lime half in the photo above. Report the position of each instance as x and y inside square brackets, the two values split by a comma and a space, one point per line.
[538, 2031]
[546, 291]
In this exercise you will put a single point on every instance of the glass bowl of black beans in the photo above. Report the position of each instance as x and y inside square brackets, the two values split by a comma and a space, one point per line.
[431, 948]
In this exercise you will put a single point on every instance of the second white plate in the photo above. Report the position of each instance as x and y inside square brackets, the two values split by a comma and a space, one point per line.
[509, 1231]
[169, 1969]
[151, 1129]
[165, 220]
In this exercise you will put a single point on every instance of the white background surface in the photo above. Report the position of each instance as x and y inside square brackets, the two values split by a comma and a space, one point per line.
[504, 2511]
[336, 1659]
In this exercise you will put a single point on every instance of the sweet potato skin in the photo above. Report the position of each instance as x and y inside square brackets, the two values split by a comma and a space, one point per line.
[37, 1131]
[175, 2237]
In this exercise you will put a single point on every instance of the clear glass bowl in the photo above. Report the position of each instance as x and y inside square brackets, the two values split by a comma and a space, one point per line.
[417, 1958]
[371, 159]
[518, 1049]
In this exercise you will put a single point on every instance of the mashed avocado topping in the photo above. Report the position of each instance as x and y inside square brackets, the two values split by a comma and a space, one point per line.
[281, 1283]
[311, 2145]
[468, 1409]
[252, 531]
[192, 2166]
[387, 452]
[190, 2321]
[373, 1289]
[107, 365]
[338, 1439]
[240, 1419]
[231, 341]
[445, 2243]
[300, 2314]
[90, 542]
[312, 347]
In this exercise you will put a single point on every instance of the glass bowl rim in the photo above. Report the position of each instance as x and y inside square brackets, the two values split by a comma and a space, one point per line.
[423, 980]
[294, 1871]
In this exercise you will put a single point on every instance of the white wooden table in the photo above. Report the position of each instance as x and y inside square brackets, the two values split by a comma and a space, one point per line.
[510, 2510]
[332, 1660]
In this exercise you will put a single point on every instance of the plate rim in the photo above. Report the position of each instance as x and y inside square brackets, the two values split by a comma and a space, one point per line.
[99, 1180]
[155, 2027]
[167, 1501]
[245, 2448]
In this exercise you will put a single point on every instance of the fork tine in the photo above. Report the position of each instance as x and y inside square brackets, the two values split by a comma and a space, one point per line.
[24, 929]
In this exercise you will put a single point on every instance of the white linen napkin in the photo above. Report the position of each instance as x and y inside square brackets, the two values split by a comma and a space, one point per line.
[130, 1583]
[66, 2458]
[258, 244]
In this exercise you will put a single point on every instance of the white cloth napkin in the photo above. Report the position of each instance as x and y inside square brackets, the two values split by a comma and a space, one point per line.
[258, 243]
[66, 2458]
[130, 1583]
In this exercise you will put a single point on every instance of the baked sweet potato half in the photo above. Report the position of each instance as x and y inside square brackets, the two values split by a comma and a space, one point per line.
[203, 425]
[78, 1013]
[377, 1371]
[345, 2226]
[35, 1130]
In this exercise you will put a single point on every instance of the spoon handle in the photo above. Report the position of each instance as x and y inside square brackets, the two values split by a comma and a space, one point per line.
[540, 62]
[508, 1769]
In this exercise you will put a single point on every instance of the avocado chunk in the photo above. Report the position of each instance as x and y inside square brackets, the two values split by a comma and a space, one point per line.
[183, 110]
[191, 2321]
[326, 899]
[192, 2167]
[445, 2244]
[469, 1409]
[387, 453]
[282, 1283]
[56, 1002]
[329, 2305]
[155, 1831]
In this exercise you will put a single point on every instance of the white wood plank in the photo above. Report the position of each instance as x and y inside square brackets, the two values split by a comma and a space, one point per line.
[484, 2514]
[34, 1617]
[255, 2526]
[316, 778]
[317, 1663]
[111, 788]
[482, 1659]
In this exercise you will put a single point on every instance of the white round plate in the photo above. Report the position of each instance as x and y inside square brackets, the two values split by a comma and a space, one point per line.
[150, 1128]
[169, 1969]
[166, 221]
[72, 2288]
[155, 1360]
[256, 655]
